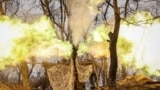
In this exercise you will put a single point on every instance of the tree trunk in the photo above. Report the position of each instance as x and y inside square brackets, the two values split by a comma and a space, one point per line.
[113, 49]
[2, 12]
[77, 85]
[24, 73]
[104, 73]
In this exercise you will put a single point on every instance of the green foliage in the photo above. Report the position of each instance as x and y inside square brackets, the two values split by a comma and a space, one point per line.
[82, 49]
[26, 40]
[5, 61]
[145, 70]
[139, 17]
[99, 35]
[35, 34]
[124, 46]
[64, 47]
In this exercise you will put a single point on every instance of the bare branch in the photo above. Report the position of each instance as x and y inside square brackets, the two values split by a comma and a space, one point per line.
[125, 12]
[106, 11]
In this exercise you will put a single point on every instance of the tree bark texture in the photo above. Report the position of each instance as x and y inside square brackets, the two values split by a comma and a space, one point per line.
[2, 12]
[113, 42]
[77, 85]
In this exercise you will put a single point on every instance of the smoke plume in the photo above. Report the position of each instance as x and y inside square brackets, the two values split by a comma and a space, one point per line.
[83, 13]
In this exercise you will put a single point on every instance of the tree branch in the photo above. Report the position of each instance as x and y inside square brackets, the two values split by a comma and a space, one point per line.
[125, 11]
[106, 11]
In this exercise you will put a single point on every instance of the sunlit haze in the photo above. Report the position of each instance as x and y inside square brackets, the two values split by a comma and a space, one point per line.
[146, 49]
[20, 41]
